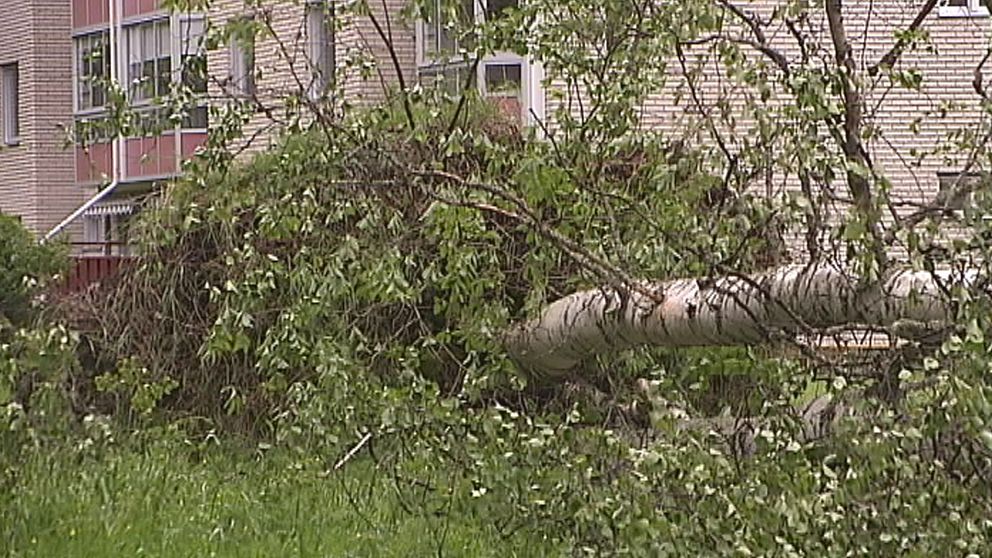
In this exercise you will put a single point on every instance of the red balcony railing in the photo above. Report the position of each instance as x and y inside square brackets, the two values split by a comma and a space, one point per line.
[94, 263]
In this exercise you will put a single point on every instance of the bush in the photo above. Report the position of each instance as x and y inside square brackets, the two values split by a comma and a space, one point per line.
[25, 268]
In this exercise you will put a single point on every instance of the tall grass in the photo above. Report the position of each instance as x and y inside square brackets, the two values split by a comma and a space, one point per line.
[164, 501]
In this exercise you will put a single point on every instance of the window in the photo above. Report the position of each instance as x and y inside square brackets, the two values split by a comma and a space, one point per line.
[963, 191]
[10, 103]
[242, 78]
[320, 45]
[196, 119]
[441, 29]
[92, 71]
[106, 227]
[451, 78]
[502, 76]
[503, 83]
[193, 69]
[192, 54]
[158, 54]
[441, 62]
[964, 8]
[149, 60]
[95, 229]
[89, 130]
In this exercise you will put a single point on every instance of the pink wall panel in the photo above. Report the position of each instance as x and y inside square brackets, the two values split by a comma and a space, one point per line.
[149, 5]
[152, 156]
[99, 11]
[138, 7]
[166, 154]
[132, 7]
[93, 162]
[79, 13]
[86, 13]
[132, 160]
[191, 142]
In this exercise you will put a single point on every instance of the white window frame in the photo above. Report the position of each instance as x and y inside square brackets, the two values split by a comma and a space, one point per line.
[241, 74]
[11, 103]
[531, 93]
[321, 47]
[137, 82]
[974, 8]
[77, 59]
[950, 179]
[181, 40]
[507, 59]
[454, 58]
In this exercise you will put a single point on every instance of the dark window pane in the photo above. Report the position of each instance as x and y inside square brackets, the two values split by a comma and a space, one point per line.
[496, 8]
[164, 75]
[503, 79]
[148, 79]
[195, 73]
[196, 119]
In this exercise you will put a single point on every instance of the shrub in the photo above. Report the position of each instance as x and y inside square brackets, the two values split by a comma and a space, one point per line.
[25, 268]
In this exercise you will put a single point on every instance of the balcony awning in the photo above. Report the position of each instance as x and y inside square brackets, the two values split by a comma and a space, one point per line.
[110, 208]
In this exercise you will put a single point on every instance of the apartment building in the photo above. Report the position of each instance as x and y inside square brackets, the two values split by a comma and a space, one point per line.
[133, 52]
[62, 63]
[65, 61]
[36, 173]
[907, 126]
[68, 67]
[910, 132]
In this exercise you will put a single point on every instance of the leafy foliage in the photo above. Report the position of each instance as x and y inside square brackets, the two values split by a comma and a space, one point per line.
[351, 249]
[342, 297]
[25, 268]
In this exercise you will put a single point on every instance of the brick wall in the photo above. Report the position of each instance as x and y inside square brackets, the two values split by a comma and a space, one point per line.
[281, 57]
[36, 176]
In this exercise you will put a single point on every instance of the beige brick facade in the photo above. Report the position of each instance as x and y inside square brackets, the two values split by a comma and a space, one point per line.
[36, 175]
[365, 70]
[909, 126]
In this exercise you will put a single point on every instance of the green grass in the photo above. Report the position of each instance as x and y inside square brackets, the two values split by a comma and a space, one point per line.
[159, 502]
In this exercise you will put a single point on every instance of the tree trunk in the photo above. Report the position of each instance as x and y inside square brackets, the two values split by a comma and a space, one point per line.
[731, 310]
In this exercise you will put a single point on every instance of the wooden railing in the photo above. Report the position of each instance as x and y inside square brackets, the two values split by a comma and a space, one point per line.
[95, 262]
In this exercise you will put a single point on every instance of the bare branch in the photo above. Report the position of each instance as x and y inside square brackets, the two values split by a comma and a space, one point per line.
[892, 56]
[760, 43]
[397, 67]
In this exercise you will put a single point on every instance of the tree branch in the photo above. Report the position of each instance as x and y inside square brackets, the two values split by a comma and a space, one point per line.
[857, 159]
[397, 67]
[892, 56]
[760, 43]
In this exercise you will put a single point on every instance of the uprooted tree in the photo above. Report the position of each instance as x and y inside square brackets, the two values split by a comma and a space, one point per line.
[471, 293]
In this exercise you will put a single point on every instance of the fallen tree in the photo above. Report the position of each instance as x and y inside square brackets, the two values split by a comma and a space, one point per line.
[731, 310]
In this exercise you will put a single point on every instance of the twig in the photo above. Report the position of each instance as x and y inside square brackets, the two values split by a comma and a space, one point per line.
[351, 453]
[892, 56]
[404, 93]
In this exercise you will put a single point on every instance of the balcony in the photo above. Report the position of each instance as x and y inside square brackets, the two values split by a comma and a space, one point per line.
[94, 263]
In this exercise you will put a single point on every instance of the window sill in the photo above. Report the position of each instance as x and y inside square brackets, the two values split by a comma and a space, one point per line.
[962, 12]
[12, 142]
[100, 111]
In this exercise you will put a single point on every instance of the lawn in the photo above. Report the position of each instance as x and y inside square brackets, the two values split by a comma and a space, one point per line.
[163, 501]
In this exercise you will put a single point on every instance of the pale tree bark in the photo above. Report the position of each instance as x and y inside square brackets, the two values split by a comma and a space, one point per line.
[732, 310]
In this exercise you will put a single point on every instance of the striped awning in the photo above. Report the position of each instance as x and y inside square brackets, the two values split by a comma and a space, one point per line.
[110, 208]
